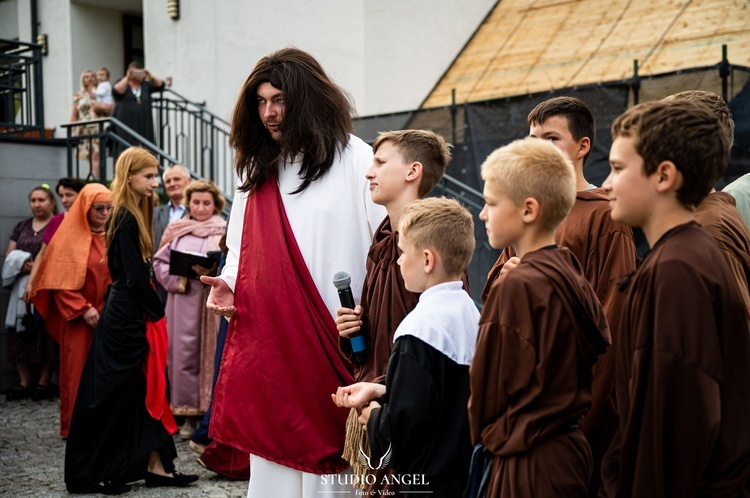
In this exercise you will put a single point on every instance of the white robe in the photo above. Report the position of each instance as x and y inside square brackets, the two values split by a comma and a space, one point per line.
[333, 221]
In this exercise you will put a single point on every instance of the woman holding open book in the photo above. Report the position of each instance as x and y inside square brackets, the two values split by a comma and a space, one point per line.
[192, 331]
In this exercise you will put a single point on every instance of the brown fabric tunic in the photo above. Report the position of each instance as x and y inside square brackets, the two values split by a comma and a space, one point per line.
[531, 376]
[385, 302]
[718, 215]
[606, 251]
[683, 364]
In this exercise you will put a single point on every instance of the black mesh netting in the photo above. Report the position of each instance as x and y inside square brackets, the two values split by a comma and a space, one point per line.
[478, 128]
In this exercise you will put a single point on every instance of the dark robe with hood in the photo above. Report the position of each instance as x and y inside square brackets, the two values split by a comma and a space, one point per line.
[606, 251]
[683, 364]
[385, 302]
[540, 333]
[718, 215]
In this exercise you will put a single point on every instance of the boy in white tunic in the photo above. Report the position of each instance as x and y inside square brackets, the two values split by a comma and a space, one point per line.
[418, 420]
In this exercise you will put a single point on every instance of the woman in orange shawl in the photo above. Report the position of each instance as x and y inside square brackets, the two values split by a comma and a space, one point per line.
[70, 286]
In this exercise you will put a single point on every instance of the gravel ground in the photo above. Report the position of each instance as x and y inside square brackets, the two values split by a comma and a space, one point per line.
[32, 453]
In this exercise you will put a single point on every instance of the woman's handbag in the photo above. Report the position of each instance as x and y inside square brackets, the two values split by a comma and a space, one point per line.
[32, 324]
[479, 472]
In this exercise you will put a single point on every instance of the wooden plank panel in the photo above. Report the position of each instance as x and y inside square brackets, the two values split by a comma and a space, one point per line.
[528, 47]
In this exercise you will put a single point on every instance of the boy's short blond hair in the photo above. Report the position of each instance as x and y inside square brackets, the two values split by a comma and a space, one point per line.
[443, 225]
[422, 146]
[535, 168]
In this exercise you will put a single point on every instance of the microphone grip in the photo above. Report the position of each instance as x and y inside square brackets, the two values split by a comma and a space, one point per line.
[357, 339]
[346, 298]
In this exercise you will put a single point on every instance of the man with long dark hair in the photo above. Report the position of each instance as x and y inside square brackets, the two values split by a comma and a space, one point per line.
[302, 212]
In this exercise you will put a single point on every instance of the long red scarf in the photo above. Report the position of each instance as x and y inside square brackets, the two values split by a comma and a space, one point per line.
[156, 376]
[282, 361]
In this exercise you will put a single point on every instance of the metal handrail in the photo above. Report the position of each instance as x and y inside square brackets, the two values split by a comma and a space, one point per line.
[105, 136]
[202, 105]
[463, 192]
[164, 156]
[196, 137]
[21, 84]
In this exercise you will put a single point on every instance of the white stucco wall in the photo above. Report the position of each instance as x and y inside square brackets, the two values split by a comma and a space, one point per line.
[409, 44]
[387, 54]
[54, 21]
[213, 47]
[96, 41]
[9, 19]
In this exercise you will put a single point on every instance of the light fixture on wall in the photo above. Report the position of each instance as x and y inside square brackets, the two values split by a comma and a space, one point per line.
[41, 39]
[173, 9]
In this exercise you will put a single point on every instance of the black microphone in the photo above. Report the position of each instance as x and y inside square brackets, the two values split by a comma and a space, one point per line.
[342, 282]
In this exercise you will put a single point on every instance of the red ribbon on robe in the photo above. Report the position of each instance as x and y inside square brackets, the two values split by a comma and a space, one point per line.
[281, 361]
[155, 370]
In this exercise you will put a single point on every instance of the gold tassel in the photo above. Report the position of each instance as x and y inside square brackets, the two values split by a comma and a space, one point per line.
[356, 438]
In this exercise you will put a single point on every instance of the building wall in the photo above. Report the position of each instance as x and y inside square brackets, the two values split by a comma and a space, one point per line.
[409, 44]
[97, 40]
[213, 47]
[9, 19]
[388, 54]
[54, 21]
[385, 54]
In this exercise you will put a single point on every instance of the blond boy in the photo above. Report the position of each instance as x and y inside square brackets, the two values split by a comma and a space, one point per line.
[540, 333]
[605, 248]
[683, 358]
[419, 413]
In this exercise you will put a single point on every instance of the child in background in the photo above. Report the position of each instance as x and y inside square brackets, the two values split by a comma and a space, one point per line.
[103, 93]
[718, 213]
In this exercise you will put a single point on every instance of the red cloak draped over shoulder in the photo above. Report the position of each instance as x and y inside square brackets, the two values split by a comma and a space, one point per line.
[281, 363]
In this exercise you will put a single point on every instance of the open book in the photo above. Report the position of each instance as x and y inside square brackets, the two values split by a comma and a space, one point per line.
[181, 263]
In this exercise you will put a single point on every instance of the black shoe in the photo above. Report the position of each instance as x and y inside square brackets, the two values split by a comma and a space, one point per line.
[19, 393]
[105, 488]
[43, 392]
[178, 481]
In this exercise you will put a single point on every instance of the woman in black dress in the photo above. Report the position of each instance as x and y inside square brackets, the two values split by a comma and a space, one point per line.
[113, 438]
[132, 96]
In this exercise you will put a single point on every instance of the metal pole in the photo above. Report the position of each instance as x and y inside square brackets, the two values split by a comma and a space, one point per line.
[636, 82]
[724, 73]
[38, 81]
[453, 116]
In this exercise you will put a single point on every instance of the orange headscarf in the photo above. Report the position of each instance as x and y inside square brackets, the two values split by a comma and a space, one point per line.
[63, 266]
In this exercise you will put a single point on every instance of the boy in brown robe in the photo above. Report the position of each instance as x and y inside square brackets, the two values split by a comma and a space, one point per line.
[541, 330]
[406, 166]
[683, 358]
[605, 249]
[718, 213]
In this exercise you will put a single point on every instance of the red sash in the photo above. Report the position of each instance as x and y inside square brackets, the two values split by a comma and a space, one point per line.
[281, 361]
[156, 376]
